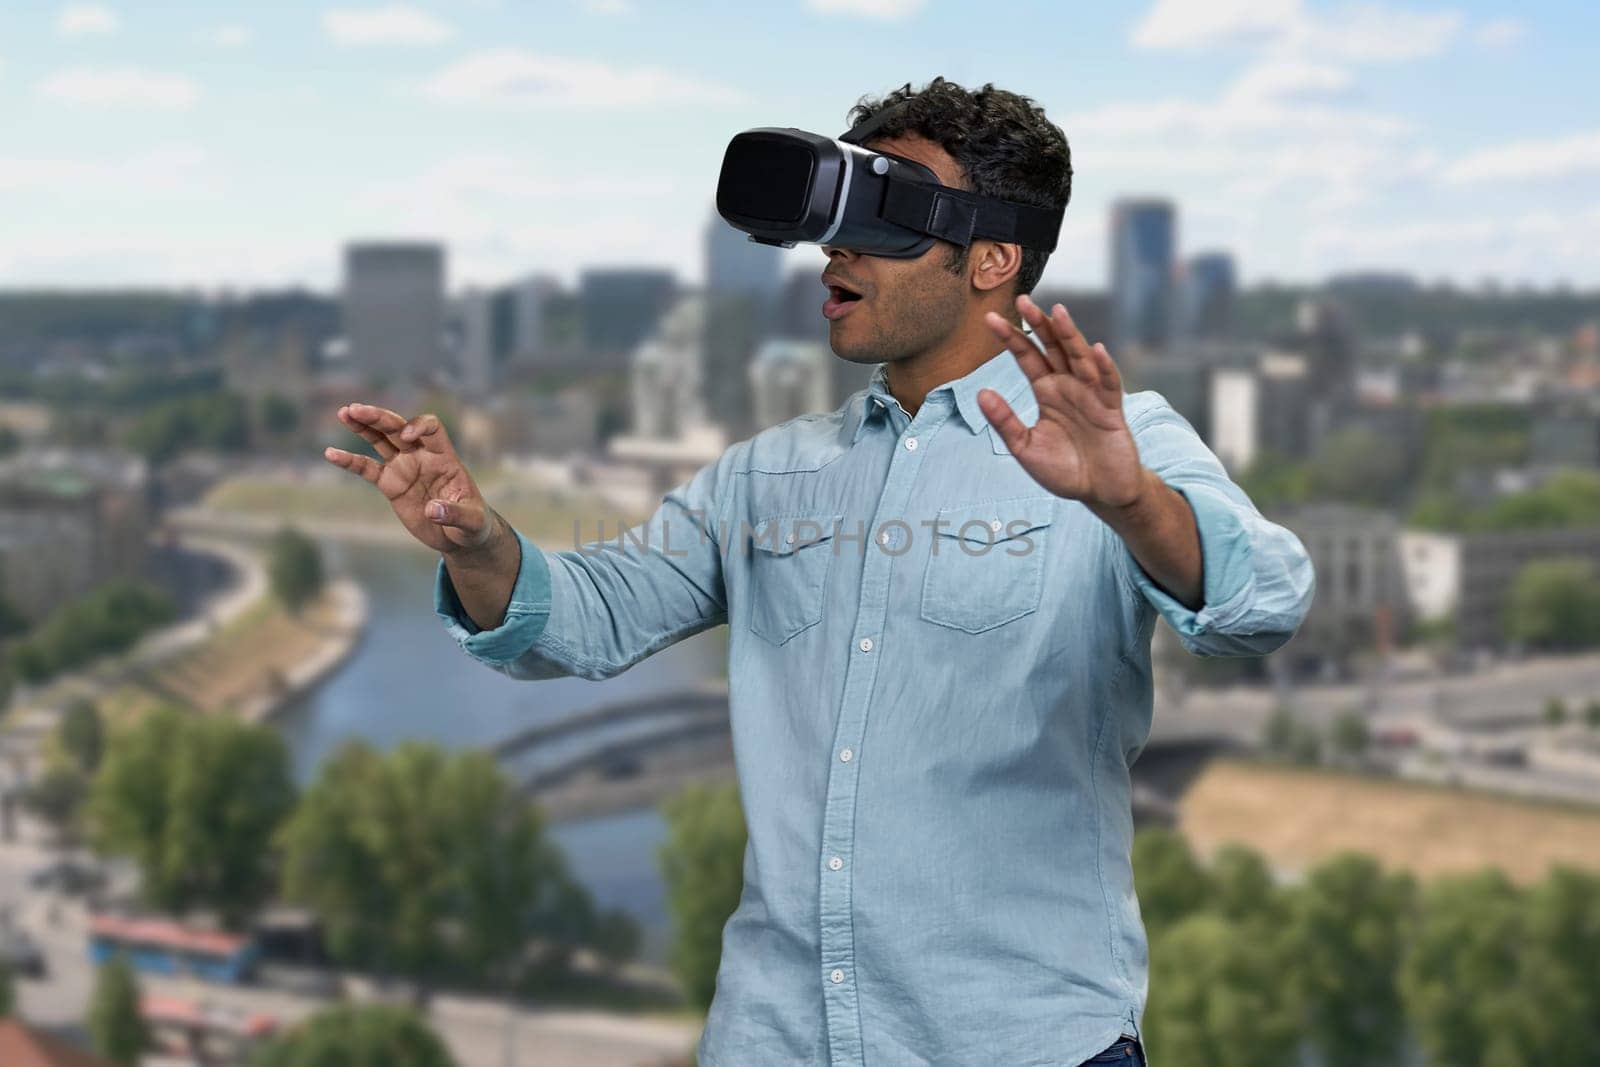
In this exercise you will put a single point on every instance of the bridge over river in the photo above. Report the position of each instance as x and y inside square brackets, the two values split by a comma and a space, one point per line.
[633, 753]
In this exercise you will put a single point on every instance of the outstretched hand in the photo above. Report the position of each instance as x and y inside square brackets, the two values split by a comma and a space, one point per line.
[424, 480]
[1080, 447]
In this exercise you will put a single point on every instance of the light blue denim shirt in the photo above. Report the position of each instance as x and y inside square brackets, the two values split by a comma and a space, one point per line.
[939, 677]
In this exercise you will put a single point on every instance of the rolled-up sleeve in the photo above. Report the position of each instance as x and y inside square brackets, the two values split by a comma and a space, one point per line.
[595, 611]
[1258, 580]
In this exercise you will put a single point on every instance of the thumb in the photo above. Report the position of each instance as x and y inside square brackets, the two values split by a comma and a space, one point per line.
[466, 522]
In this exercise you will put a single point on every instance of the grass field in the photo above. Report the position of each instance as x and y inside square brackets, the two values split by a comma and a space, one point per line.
[238, 662]
[544, 516]
[1296, 817]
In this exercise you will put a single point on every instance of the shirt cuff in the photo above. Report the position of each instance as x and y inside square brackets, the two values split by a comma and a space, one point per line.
[526, 614]
[1226, 566]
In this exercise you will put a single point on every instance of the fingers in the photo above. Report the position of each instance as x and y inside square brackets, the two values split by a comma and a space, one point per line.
[1029, 358]
[1055, 353]
[379, 441]
[380, 420]
[426, 431]
[365, 466]
[1013, 431]
[1110, 377]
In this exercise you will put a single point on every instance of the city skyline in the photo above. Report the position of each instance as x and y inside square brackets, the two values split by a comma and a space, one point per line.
[184, 147]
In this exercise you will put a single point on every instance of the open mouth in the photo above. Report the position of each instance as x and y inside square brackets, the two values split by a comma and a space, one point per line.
[840, 300]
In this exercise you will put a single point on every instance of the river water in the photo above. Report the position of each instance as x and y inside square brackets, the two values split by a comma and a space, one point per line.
[408, 679]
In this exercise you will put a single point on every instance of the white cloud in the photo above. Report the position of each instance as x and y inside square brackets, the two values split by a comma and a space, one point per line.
[231, 36]
[1363, 32]
[1183, 24]
[875, 9]
[120, 87]
[516, 78]
[1500, 33]
[1288, 78]
[79, 20]
[609, 7]
[395, 24]
[1553, 157]
[173, 169]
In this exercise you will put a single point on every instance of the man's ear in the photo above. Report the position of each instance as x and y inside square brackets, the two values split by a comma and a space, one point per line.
[994, 263]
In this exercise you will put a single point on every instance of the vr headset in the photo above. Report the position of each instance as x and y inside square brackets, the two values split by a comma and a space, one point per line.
[783, 186]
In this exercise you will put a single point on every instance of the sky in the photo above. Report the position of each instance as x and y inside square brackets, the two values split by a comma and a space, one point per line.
[241, 145]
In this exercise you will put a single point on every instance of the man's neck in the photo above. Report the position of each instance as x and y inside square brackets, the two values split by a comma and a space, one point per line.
[909, 380]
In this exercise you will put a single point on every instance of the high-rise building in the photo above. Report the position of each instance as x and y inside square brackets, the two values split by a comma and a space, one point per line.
[736, 264]
[394, 308]
[1143, 243]
[1206, 296]
[530, 299]
[617, 309]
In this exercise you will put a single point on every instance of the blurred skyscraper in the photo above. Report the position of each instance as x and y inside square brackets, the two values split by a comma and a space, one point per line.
[743, 283]
[1206, 297]
[1143, 243]
[789, 378]
[394, 308]
[618, 308]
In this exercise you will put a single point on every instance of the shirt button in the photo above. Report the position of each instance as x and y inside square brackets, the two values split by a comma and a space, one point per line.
[788, 539]
[911, 444]
[837, 976]
[835, 863]
[866, 644]
[845, 755]
[883, 538]
[994, 524]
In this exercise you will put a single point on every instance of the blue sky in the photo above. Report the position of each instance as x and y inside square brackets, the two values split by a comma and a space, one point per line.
[241, 145]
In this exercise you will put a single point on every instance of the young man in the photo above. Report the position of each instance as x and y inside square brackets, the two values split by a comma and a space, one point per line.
[940, 599]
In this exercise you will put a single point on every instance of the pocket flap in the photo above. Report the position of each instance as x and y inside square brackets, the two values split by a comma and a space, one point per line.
[989, 522]
[780, 535]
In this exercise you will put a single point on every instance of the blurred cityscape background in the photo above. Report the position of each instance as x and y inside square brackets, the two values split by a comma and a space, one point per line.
[256, 807]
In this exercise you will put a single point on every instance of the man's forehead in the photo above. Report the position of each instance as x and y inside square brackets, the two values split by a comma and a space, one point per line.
[916, 147]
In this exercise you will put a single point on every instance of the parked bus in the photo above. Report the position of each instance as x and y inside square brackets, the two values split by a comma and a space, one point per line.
[167, 947]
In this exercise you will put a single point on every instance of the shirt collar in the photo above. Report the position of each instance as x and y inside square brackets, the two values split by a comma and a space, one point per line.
[1000, 373]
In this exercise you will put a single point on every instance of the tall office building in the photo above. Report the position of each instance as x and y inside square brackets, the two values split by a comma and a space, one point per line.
[1205, 297]
[618, 308]
[530, 299]
[744, 283]
[394, 314]
[1143, 243]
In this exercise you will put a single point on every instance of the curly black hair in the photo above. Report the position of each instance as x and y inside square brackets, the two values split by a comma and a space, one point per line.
[1002, 141]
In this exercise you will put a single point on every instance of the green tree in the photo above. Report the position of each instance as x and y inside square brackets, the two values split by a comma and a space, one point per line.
[57, 797]
[1555, 604]
[1348, 928]
[1359, 466]
[1350, 735]
[1555, 711]
[115, 1023]
[195, 802]
[8, 995]
[1217, 997]
[279, 415]
[1591, 714]
[81, 735]
[1242, 888]
[426, 863]
[1462, 970]
[617, 936]
[295, 568]
[702, 863]
[1554, 1014]
[371, 1035]
[1171, 883]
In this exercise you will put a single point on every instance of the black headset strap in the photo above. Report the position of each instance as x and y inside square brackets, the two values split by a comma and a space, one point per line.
[960, 217]
[956, 215]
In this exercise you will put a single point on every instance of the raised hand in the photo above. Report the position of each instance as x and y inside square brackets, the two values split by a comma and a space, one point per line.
[424, 480]
[1080, 447]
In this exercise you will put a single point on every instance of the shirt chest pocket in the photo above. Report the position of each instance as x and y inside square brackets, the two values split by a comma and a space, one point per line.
[986, 562]
[790, 556]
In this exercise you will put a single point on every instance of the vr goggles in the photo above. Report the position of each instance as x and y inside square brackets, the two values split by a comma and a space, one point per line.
[783, 186]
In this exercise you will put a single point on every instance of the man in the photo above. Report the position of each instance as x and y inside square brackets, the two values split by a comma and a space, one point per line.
[940, 599]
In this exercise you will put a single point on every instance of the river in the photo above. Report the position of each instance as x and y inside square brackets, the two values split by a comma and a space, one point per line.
[407, 679]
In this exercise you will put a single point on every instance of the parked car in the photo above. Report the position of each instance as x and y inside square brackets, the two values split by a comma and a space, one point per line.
[72, 876]
[21, 955]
